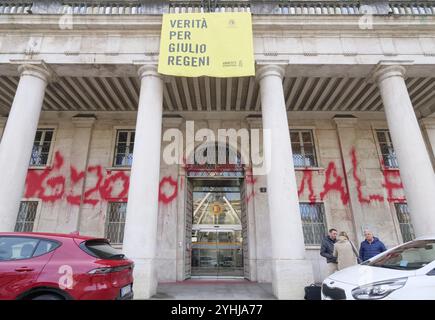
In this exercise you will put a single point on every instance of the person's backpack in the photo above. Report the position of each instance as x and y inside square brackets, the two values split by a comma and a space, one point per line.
[313, 292]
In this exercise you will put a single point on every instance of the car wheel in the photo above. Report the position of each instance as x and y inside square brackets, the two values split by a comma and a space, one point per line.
[48, 296]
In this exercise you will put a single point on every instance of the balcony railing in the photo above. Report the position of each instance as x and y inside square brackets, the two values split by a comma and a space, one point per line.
[278, 7]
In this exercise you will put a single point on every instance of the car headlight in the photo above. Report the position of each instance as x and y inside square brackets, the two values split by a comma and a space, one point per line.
[378, 290]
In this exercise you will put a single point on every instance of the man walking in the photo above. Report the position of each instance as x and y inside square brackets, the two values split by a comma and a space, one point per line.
[371, 246]
[327, 250]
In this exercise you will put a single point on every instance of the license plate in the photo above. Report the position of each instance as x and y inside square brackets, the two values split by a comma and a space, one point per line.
[125, 290]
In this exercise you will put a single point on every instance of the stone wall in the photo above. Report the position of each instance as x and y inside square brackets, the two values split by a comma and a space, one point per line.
[354, 197]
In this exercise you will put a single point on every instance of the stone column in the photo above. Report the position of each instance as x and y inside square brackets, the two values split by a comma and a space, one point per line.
[415, 167]
[142, 208]
[290, 270]
[17, 141]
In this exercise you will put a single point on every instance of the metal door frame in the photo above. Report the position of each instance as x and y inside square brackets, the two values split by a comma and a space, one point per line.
[240, 227]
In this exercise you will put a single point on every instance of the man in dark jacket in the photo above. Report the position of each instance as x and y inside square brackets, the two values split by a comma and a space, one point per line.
[327, 250]
[370, 247]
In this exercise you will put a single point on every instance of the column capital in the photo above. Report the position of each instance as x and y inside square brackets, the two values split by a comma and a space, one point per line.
[84, 121]
[40, 71]
[270, 70]
[428, 123]
[388, 71]
[148, 70]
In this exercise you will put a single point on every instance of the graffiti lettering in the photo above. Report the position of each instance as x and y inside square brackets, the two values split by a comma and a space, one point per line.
[337, 185]
[165, 184]
[308, 177]
[361, 198]
[108, 187]
[49, 185]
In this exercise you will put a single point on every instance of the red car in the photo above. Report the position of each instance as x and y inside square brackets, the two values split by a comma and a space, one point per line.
[47, 266]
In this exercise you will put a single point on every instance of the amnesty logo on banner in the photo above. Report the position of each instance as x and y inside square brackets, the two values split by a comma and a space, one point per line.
[207, 44]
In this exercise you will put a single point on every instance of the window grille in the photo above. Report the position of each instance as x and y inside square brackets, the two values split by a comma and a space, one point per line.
[313, 222]
[26, 216]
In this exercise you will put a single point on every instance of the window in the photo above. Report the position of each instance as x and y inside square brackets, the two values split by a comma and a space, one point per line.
[404, 222]
[387, 150]
[116, 221]
[411, 256]
[101, 249]
[124, 148]
[313, 222]
[26, 216]
[41, 147]
[304, 154]
[16, 248]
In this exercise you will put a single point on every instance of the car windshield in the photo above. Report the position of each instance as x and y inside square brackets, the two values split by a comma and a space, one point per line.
[410, 256]
[101, 249]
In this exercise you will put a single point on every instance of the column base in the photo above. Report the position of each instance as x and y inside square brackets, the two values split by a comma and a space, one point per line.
[289, 277]
[144, 279]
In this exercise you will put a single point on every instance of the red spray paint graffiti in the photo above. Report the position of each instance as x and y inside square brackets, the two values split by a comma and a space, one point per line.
[165, 184]
[250, 180]
[50, 186]
[392, 183]
[35, 182]
[361, 198]
[75, 176]
[308, 177]
[337, 185]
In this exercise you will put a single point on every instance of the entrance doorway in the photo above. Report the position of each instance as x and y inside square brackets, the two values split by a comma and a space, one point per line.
[217, 253]
[217, 228]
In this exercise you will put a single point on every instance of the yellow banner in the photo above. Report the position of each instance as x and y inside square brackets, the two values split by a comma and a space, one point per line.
[207, 44]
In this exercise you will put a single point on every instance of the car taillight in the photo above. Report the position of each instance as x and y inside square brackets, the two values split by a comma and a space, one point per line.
[110, 269]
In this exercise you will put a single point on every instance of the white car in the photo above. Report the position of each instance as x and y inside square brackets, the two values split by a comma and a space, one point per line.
[405, 272]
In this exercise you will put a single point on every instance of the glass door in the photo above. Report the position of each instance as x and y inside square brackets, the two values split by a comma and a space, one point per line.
[217, 253]
[216, 229]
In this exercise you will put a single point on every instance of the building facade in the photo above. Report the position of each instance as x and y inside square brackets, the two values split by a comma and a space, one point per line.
[345, 90]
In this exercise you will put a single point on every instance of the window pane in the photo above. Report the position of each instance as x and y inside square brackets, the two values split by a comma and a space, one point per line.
[41, 149]
[124, 148]
[412, 256]
[405, 224]
[313, 222]
[101, 249]
[15, 248]
[303, 152]
[26, 216]
[38, 135]
[381, 136]
[294, 137]
[115, 222]
[45, 246]
[387, 149]
[122, 136]
[306, 137]
[48, 136]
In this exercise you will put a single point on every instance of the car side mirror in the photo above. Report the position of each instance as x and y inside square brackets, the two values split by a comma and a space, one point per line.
[431, 273]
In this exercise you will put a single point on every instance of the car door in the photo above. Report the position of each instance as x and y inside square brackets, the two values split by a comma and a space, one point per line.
[19, 265]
